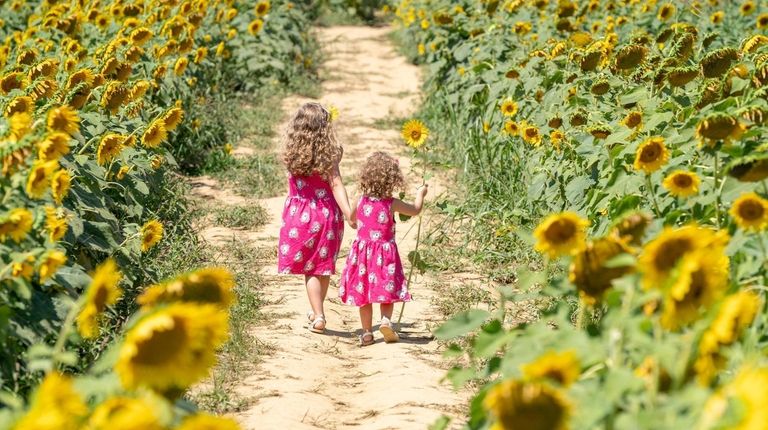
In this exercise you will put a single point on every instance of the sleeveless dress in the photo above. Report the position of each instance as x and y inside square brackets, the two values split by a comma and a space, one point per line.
[312, 228]
[374, 272]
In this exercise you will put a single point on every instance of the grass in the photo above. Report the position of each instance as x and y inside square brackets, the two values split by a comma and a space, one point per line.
[255, 176]
[249, 217]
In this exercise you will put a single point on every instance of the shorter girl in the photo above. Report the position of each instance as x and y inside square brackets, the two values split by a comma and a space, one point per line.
[374, 272]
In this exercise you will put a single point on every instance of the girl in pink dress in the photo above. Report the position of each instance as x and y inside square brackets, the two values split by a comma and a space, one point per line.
[374, 272]
[312, 227]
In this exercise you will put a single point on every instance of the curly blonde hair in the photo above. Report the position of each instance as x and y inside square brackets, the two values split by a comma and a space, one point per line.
[310, 144]
[380, 176]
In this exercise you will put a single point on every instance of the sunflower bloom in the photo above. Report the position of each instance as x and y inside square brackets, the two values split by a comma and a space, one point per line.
[560, 367]
[23, 269]
[180, 66]
[125, 413]
[415, 133]
[173, 118]
[151, 233]
[55, 406]
[110, 147]
[63, 119]
[54, 146]
[155, 134]
[50, 263]
[529, 405]
[717, 17]
[682, 183]
[56, 224]
[255, 26]
[208, 422]
[205, 286]
[666, 12]
[561, 234]
[173, 347]
[719, 127]
[200, 55]
[61, 182]
[531, 135]
[633, 119]
[511, 128]
[333, 113]
[509, 108]
[20, 104]
[747, 8]
[141, 35]
[16, 225]
[588, 271]
[262, 8]
[750, 212]
[651, 155]
[744, 398]
[39, 178]
[102, 292]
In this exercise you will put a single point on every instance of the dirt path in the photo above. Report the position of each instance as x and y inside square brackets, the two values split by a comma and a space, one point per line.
[327, 381]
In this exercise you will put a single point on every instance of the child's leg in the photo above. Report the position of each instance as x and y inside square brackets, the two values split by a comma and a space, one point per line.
[317, 288]
[366, 317]
[387, 309]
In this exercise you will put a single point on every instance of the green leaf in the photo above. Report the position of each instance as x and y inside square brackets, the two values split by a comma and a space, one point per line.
[621, 260]
[441, 423]
[462, 323]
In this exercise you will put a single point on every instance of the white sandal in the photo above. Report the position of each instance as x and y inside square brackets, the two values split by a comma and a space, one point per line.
[390, 335]
[313, 324]
[367, 339]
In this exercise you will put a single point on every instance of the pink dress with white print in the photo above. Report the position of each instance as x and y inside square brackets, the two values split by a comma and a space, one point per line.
[312, 228]
[374, 272]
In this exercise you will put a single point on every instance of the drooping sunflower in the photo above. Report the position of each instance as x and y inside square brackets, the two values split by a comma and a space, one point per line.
[212, 285]
[527, 405]
[600, 87]
[54, 146]
[208, 422]
[255, 26]
[651, 155]
[508, 108]
[114, 96]
[50, 263]
[753, 42]
[155, 134]
[719, 127]
[63, 119]
[600, 131]
[750, 212]
[173, 118]
[172, 347]
[631, 226]
[530, 134]
[61, 181]
[125, 413]
[102, 292]
[180, 66]
[630, 57]
[262, 8]
[561, 234]
[415, 133]
[16, 225]
[588, 271]
[20, 104]
[110, 146]
[55, 223]
[12, 81]
[633, 119]
[560, 367]
[682, 183]
[749, 169]
[56, 405]
[151, 233]
[666, 12]
[717, 63]
[40, 178]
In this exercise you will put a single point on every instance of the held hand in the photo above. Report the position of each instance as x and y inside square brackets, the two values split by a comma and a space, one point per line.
[422, 190]
[351, 223]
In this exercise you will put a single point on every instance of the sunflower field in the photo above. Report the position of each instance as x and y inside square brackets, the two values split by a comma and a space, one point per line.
[615, 154]
[101, 100]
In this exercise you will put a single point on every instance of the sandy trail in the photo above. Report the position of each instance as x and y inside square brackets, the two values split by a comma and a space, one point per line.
[311, 381]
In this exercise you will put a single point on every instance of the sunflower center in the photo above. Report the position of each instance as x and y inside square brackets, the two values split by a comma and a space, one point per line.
[100, 296]
[560, 231]
[162, 345]
[650, 153]
[751, 210]
[415, 135]
[696, 289]
[671, 251]
[683, 181]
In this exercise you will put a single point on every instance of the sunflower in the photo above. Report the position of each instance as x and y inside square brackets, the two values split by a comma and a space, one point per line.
[415, 133]
[151, 233]
[102, 292]
[262, 8]
[762, 21]
[630, 57]
[749, 170]
[56, 405]
[114, 97]
[633, 119]
[40, 178]
[680, 76]
[50, 263]
[200, 55]
[512, 74]
[155, 134]
[717, 63]
[110, 146]
[651, 155]
[205, 286]
[180, 66]
[560, 367]
[173, 118]
[631, 227]
[561, 234]
[682, 183]
[527, 405]
[750, 212]
[55, 223]
[588, 271]
[719, 127]
[752, 43]
[208, 422]
[747, 8]
[61, 181]
[125, 413]
[23, 269]
[600, 87]
[63, 119]
[556, 137]
[157, 161]
[700, 280]
[54, 146]
[660, 256]
[591, 60]
[255, 26]
[665, 12]
[12, 81]
[172, 347]
[16, 225]
[600, 132]
[530, 134]
[20, 104]
[742, 401]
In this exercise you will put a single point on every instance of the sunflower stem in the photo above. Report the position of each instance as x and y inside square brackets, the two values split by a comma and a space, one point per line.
[66, 328]
[718, 192]
[649, 188]
[581, 317]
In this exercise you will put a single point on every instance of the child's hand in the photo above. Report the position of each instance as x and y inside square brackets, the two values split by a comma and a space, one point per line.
[422, 190]
[352, 223]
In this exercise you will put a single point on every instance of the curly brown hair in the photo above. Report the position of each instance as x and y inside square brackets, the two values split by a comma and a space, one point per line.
[310, 144]
[380, 175]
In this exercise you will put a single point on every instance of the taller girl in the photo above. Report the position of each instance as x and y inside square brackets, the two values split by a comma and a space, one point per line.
[310, 236]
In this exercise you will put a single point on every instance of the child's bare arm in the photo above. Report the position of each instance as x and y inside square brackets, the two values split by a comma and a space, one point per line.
[340, 193]
[353, 215]
[411, 209]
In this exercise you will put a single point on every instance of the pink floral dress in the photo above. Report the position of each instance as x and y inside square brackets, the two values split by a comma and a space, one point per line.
[374, 272]
[312, 228]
